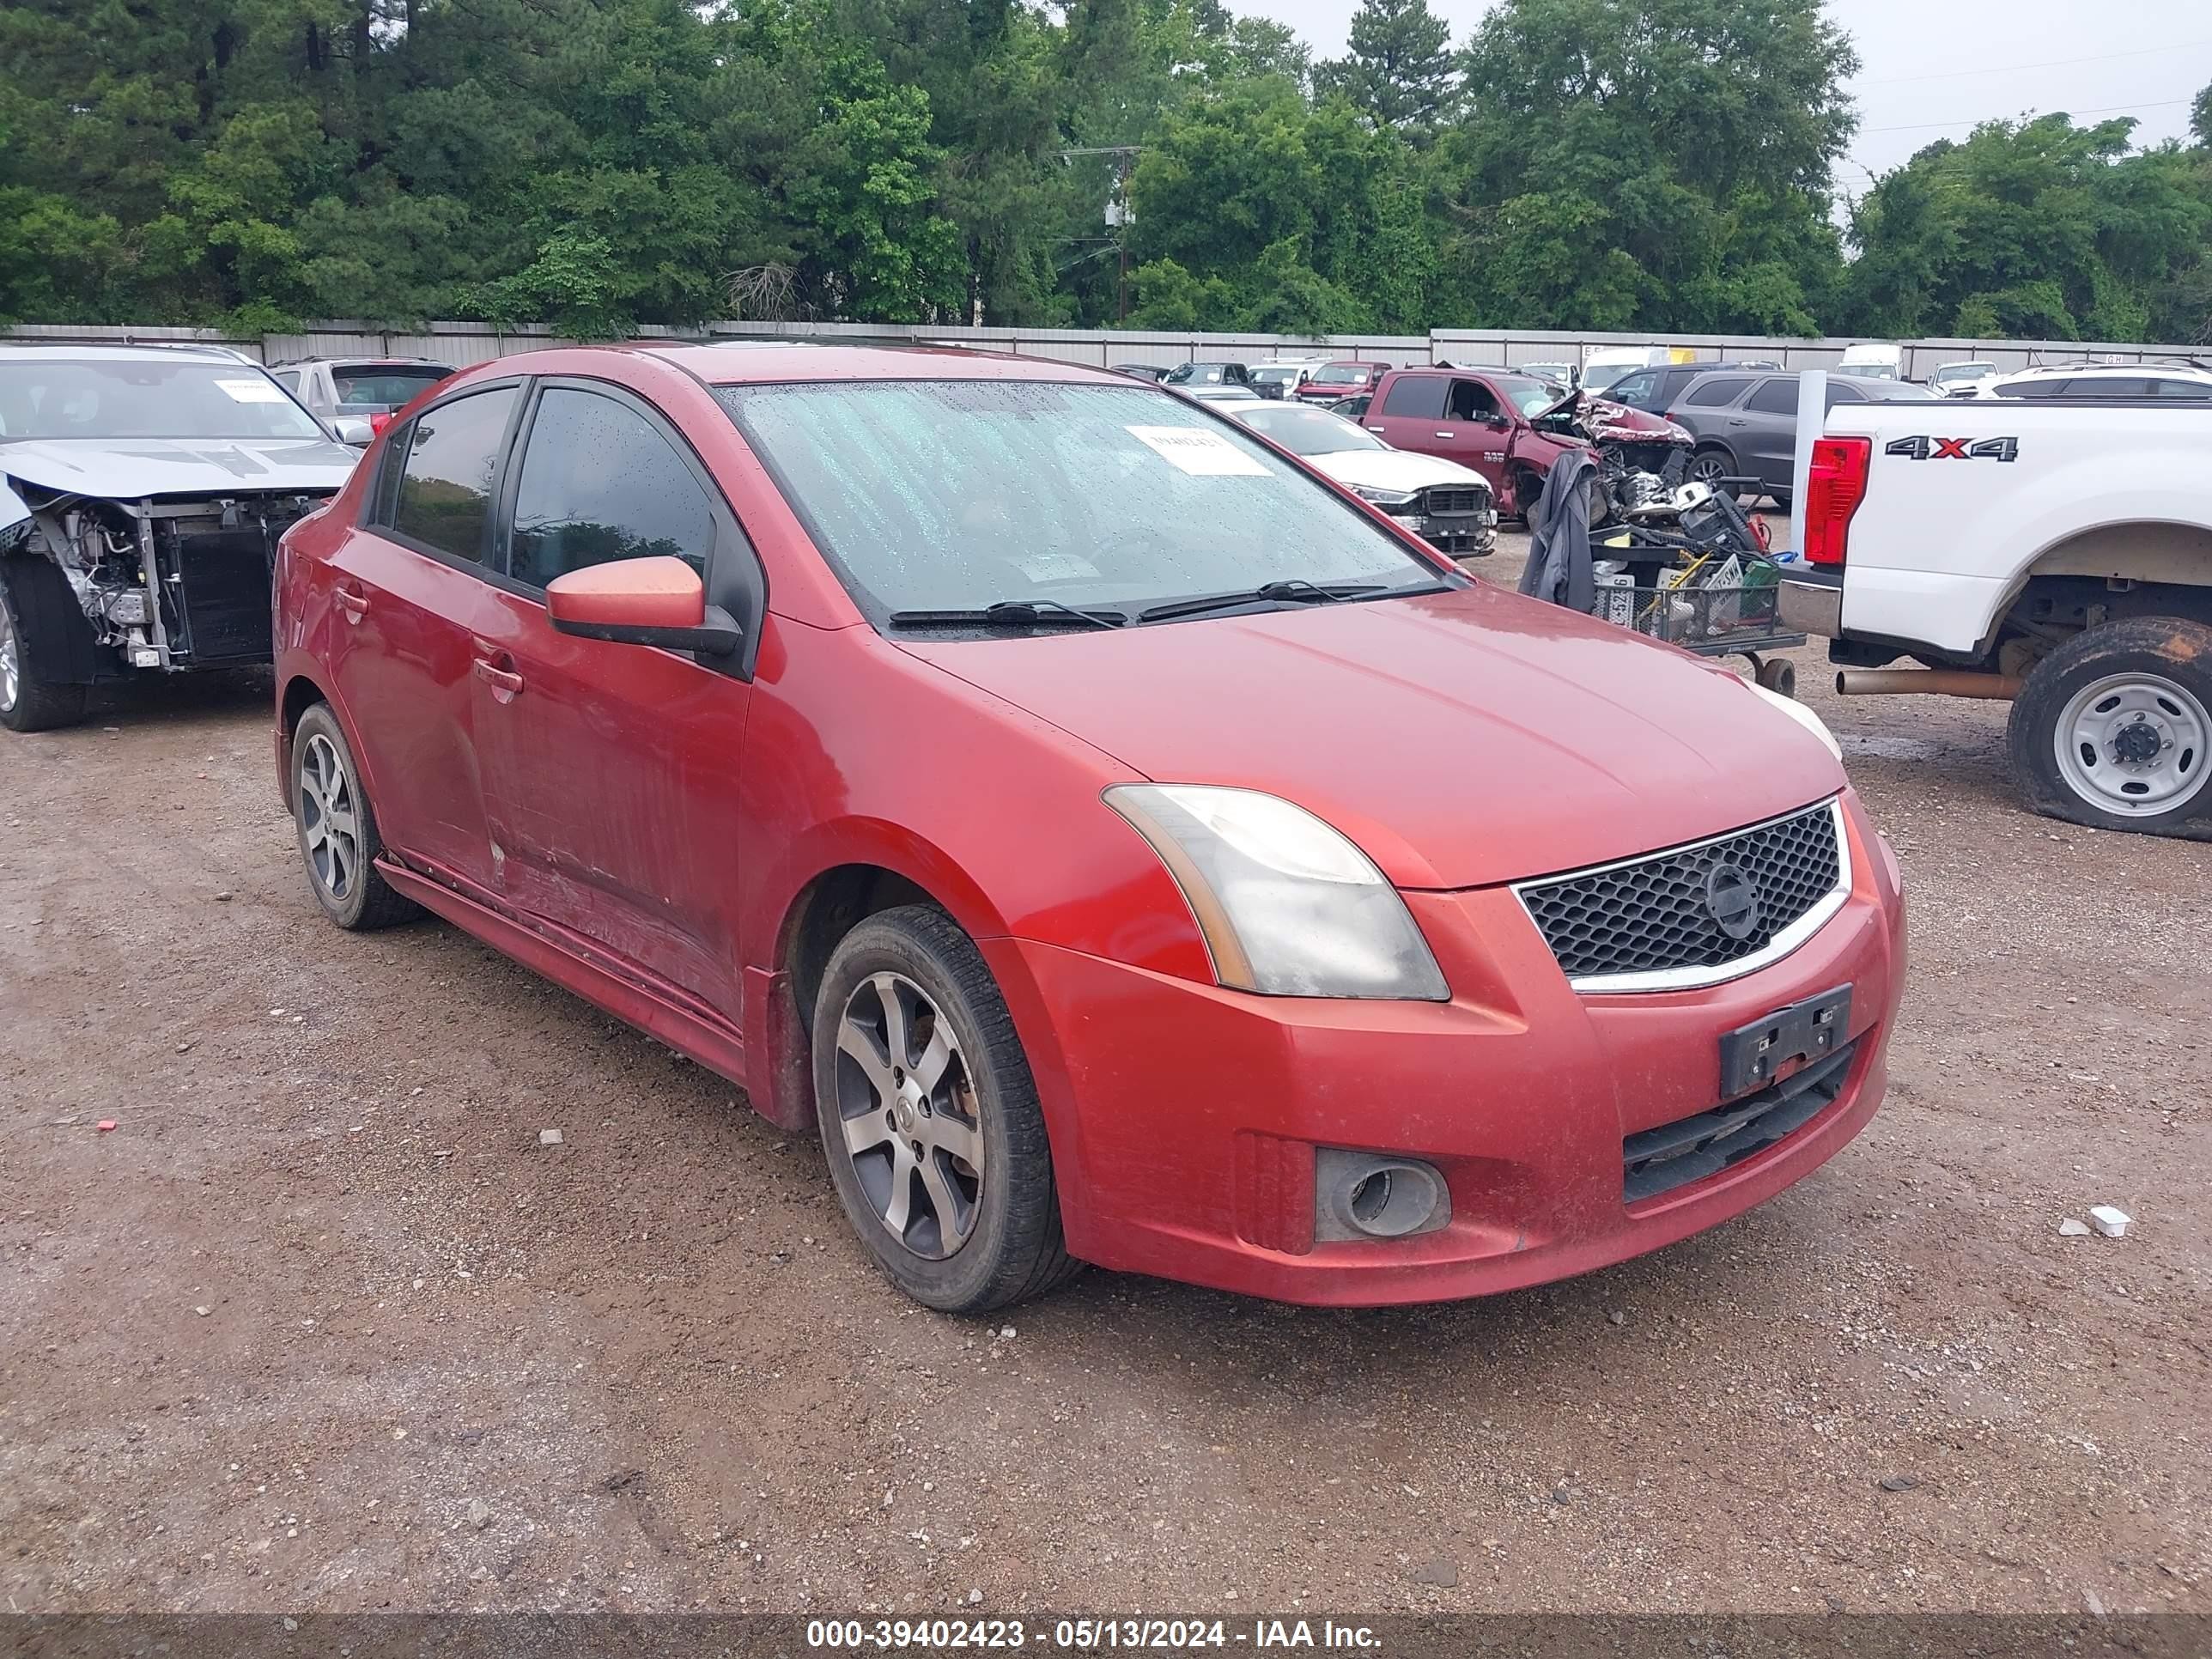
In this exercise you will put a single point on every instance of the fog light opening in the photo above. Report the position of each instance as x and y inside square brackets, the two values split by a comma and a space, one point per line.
[1363, 1195]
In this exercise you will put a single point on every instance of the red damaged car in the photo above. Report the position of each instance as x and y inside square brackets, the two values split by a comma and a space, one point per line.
[1121, 844]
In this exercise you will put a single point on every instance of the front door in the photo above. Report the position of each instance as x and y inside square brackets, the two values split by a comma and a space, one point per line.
[407, 585]
[611, 771]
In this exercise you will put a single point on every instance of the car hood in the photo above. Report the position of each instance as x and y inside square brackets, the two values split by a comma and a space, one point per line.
[124, 468]
[1394, 469]
[1462, 739]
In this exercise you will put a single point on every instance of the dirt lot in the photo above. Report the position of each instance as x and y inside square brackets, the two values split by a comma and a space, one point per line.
[320, 1323]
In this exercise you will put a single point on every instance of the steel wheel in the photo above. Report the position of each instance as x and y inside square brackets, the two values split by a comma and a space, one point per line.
[11, 661]
[2133, 744]
[907, 1108]
[330, 823]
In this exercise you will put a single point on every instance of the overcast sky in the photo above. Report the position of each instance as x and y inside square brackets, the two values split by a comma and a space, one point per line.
[1951, 62]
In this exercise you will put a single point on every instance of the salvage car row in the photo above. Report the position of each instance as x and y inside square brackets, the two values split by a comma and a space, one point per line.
[695, 678]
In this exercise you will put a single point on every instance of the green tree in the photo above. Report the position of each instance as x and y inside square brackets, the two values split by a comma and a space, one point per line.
[1399, 69]
[2037, 229]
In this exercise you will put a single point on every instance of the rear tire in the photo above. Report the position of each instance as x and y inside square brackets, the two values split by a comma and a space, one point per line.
[1779, 675]
[929, 1117]
[2114, 728]
[339, 838]
[35, 600]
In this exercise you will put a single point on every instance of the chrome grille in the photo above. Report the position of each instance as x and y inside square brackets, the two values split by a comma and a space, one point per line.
[1651, 924]
[1441, 500]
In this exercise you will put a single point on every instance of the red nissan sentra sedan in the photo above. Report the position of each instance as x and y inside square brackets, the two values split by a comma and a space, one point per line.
[1123, 844]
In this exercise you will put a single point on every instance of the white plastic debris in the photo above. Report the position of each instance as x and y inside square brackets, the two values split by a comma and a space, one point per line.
[2070, 1228]
[2112, 1223]
[549, 1137]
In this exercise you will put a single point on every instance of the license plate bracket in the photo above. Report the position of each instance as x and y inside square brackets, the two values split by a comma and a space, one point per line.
[1811, 1029]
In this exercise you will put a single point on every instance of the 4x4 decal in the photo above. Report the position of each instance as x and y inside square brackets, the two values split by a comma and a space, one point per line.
[1955, 449]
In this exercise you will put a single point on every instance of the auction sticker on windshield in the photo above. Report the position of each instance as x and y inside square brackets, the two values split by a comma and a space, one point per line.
[1202, 454]
[253, 391]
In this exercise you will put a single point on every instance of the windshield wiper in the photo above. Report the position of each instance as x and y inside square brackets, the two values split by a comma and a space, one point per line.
[1007, 611]
[1295, 589]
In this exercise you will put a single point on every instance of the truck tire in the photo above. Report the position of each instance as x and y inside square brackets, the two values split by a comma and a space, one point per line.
[2114, 728]
[36, 606]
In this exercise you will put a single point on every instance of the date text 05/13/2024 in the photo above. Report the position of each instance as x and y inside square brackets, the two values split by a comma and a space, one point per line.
[1086, 1634]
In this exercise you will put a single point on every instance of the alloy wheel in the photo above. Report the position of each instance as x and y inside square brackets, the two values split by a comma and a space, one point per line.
[1708, 469]
[11, 660]
[908, 1109]
[330, 821]
[2133, 745]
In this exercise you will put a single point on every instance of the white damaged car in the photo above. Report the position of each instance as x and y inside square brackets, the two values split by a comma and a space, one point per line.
[1447, 505]
[141, 492]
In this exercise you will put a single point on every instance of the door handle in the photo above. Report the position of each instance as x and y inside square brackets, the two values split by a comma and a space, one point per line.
[1738, 420]
[1446, 435]
[352, 601]
[506, 685]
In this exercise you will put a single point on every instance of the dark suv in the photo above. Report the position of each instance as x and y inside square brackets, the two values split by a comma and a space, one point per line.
[1746, 423]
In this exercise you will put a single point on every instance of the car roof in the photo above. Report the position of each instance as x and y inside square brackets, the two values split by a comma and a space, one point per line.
[151, 351]
[337, 362]
[742, 362]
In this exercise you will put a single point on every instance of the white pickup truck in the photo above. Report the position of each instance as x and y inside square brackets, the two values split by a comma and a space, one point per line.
[2055, 554]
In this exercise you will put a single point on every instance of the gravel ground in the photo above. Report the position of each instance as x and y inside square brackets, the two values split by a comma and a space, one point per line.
[320, 1323]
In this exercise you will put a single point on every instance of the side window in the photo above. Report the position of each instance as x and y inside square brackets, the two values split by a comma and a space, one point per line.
[1714, 393]
[287, 378]
[1471, 401]
[1775, 397]
[1417, 396]
[600, 483]
[1838, 393]
[2194, 390]
[444, 498]
[2034, 389]
[2108, 385]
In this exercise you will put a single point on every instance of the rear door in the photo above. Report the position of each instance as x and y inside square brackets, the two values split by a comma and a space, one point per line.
[1762, 430]
[612, 771]
[409, 587]
[1410, 413]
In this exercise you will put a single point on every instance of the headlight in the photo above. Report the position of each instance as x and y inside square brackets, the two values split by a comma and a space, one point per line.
[1386, 497]
[1804, 717]
[1289, 907]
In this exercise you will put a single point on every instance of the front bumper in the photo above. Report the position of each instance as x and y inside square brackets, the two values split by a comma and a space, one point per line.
[1463, 535]
[1185, 1118]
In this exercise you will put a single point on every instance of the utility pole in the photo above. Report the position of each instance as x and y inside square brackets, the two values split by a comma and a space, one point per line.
[1117, 213]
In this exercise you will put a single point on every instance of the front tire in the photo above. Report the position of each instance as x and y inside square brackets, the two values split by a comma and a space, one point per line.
[1710, 465]
[339, 838]
[2114, 728]
[929, 1117]
[35, 601]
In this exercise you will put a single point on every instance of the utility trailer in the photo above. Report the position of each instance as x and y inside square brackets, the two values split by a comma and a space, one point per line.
[142, 489]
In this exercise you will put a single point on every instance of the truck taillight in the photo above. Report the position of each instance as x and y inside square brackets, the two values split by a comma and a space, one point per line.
[1836, 486]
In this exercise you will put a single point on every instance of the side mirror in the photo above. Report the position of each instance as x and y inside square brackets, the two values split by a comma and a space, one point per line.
[1497, 423]
[657, 601]
[351, 429]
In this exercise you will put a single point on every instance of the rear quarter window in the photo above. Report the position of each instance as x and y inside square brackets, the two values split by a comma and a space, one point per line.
[1417, 397]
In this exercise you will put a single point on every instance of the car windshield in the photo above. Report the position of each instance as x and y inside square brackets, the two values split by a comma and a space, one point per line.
[1598, 376]
[385, 385]
[93, 398]
[1194, 374]
[957, 494]
[1272, 375]
[1340, 373]
[1529, 396]
[1307, 430]
[1951, 372]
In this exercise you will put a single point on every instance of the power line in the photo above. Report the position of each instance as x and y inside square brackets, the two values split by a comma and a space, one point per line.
[1977, 120]
[2051, 62]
